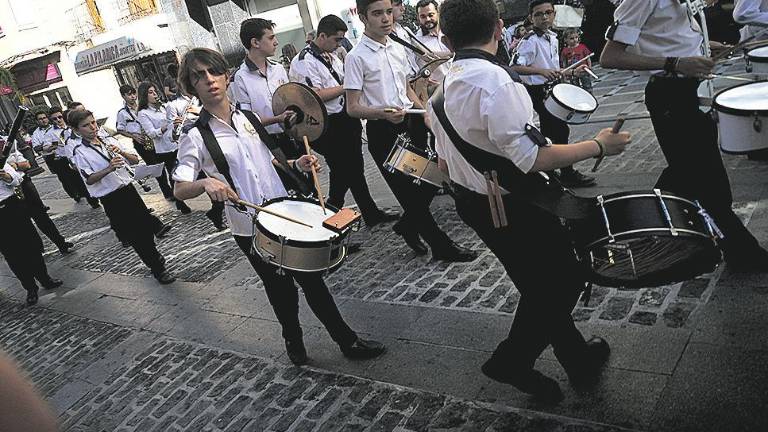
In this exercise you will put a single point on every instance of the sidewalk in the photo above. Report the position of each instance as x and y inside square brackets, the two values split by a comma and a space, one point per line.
[112, 350]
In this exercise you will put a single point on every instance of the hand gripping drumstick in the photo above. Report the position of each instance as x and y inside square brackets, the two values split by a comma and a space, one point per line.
[273, 213]
[616, 128]
[314, 176]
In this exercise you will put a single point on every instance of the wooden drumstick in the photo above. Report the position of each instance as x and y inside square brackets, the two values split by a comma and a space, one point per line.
[499, 202]
[492, 201]
[273, 213]
[314, 176]
[616, 128]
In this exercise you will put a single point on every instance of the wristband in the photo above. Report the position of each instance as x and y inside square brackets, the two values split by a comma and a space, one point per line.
[670, 65]
[602, 149]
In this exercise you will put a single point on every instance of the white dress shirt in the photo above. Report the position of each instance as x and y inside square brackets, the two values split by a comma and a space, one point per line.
[90, 158]
[753, 14]
[249, 160]
[656, 28]
[412, 57]
[380, 72]
[307, 69]
[176, 107]
[253, 90]
[128, 120]
[6, 188]
[38, 139]
[540, 50]
[152, 120]
[474, 91]
[436, 45]
[57, 137]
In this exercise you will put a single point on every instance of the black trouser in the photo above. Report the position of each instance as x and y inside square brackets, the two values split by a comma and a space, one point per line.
[131, 220]
[414, 199]
[152, 158]
[552, 127]
[292, 149]
[60, 167]
[536, 252]
[688, 139]
[342, 146]
[166, 178]
[21, 245]
[36, 210]
[284, 298]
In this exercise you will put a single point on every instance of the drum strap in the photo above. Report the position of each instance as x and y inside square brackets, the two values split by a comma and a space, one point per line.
[533, 188]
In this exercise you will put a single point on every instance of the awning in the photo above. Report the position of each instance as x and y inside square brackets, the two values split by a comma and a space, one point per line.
[107, 54]
[37, 73]
[49, 52]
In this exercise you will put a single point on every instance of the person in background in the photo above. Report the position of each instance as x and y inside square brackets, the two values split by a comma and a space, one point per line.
[170, 89]
[289, 52]
[311, 35]
[573, 52]
[753, 15]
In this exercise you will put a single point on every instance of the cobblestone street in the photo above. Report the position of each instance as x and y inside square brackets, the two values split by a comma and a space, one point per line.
[113, 351]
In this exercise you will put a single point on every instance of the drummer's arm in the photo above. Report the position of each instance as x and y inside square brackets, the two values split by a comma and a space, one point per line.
[442, 165]
[358, 110]
[616, 56]
[331, 93]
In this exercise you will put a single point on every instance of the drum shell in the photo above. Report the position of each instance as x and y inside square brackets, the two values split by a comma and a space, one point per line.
[738, 134]
[757, 64]
[561, 110]
[414, 162]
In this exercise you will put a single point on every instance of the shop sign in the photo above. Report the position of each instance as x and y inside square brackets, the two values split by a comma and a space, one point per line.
[107, 54]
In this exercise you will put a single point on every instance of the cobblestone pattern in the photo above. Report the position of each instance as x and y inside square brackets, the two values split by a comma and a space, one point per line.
[53, 347]
[174, 386]
[193, 249]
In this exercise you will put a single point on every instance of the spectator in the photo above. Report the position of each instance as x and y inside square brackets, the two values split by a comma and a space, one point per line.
[573, 52]
[289, 52]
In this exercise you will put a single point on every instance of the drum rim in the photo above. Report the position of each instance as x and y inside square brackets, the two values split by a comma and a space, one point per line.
[643, 194]
[756, 58]
[736, 111]
[689, 232]
[569, 108]
[297, 243]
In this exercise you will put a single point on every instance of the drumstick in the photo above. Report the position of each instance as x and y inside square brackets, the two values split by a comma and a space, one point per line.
[314, 176]
[589, 71]
[577, 63]
[735, 78]
[492, 201]
[616, 128]
[499, 201]
[273, 213]
[738, 46]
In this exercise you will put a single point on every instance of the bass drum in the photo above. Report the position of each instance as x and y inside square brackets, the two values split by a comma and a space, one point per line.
[742, 115]
[644, 239]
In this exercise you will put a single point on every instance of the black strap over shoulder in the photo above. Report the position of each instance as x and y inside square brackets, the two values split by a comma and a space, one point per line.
[534, 187]
[214, 149]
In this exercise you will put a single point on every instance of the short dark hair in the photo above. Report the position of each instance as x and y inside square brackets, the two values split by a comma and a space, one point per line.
[54, 109]
[533, 3]
[76, 116]
[126, 88]
[329, 25]
[42, 111]
[144, 87]
[468, 22]
[172, 70]
[254, 28]
[73, 105]
[362, 7]
[425, 3]
[205, 56]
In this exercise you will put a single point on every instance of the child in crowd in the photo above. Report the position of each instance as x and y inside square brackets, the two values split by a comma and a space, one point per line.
[574, 51]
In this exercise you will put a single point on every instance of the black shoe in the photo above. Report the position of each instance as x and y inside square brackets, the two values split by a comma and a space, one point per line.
[51, 283]
[411, 239]
[296, 352]
[381, 216]
[453, 253]
[150, 209]
[217, 219]
[163, 231]
[758, 155]
[77, 199]
[31, 298]
[170, 198]
[46, 208]
[65, 247]
[94, 203]
[574, 178]
[587, 369]
[165, 277]
[183, 207]
[363, 349]
[125, 243]
[751, 262]
[528, 381]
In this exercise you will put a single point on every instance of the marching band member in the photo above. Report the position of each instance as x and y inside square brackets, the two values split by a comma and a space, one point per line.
[538, 62]
[20, 243]
[376, 84]
[431, 36]
[474, 88]
[183, 114]
[153, 120]
[258, 77]
[127, 124]
[102, 163]
[662, 37]
[398, 12]
[41, 143]
[753, 15]
[342, 143]
[250, 175]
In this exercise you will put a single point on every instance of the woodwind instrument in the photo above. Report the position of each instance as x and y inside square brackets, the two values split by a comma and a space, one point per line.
[177, 131]
[141, 182]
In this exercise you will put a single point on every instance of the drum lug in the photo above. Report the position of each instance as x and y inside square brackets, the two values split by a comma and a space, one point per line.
[280, 269]
[665, 212]
[601, 203]
[757, 123]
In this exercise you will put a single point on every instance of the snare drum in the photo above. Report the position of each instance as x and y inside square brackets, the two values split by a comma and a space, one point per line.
[570, 103]
[757, 60]
[742, 114]
[296, 247]
[415, 162]
[646, 238]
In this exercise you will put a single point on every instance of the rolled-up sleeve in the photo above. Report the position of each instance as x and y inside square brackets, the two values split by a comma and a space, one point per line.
[353, 72]
[240, 91]
[749, 12]
[15, 176]
[629, 19]
[506, 128]
[189, 157]
[83, 165]
[121, 122]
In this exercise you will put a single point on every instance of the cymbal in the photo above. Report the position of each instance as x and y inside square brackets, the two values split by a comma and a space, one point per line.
[311, 117]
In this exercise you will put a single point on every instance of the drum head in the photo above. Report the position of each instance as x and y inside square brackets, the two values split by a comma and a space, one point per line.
[574, 97]
[307, 212]
[758, 55]
[744, 99]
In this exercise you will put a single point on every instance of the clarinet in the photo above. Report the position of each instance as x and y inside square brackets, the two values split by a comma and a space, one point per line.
[176, 135]
[127, 166]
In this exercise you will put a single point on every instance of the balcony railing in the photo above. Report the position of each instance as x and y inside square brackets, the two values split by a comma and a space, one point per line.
[131, 10]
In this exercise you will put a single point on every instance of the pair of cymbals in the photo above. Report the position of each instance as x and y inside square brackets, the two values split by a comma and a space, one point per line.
[311, 119]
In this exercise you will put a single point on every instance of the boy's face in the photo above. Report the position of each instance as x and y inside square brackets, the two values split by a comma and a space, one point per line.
[209, 82]
[543, 16]
[572, 40]
[378, 18]
[42, 120]
[268, 43]
[130, 97]
[398, 10]
[329, 43]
